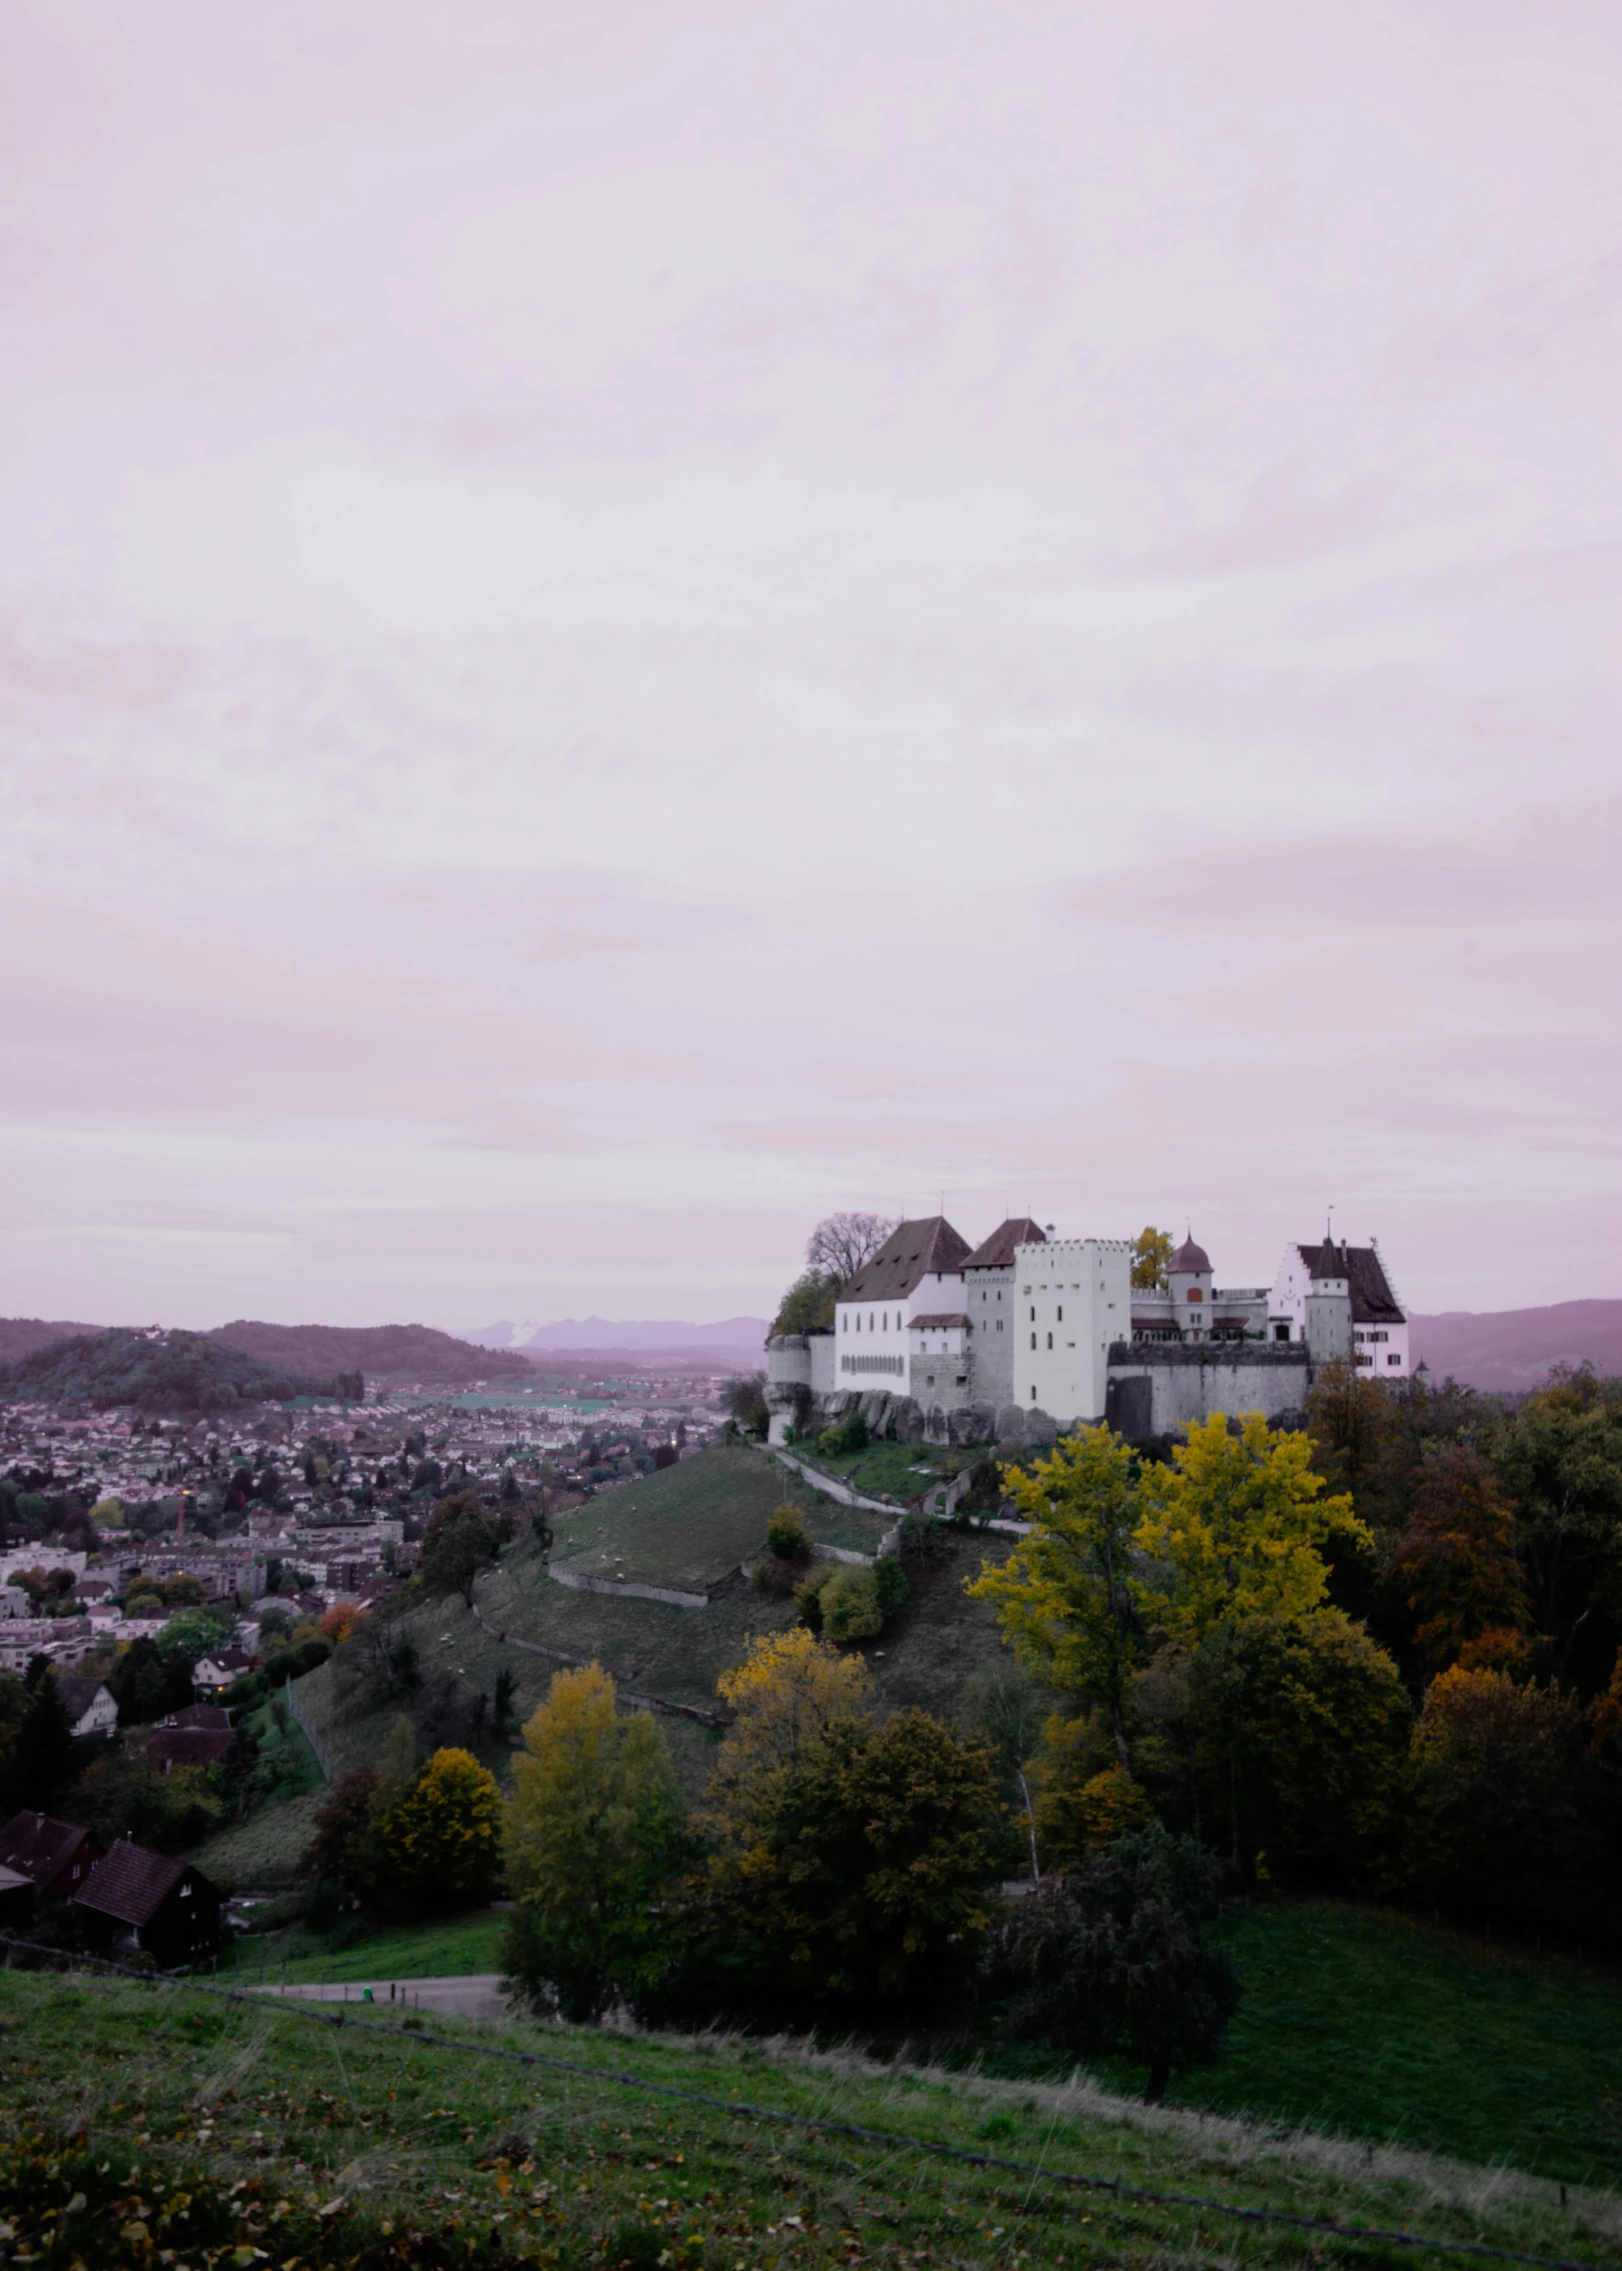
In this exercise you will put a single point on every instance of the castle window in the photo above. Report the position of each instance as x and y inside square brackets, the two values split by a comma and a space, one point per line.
[1195, 1294]
[1061, 1312]
[1050, 1340]
[1033, 1344]
[1393, 1360]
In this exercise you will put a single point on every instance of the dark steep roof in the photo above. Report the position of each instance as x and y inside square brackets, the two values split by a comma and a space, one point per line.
[1373, 1302]
[939, 1324]
[183, 1746]
[131, 1883]
[997, 1251]
[76, 1693]
[1190, 1260]
[39, 1847]
[907, 1256]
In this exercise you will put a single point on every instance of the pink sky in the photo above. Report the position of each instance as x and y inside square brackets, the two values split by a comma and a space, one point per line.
[622, 625]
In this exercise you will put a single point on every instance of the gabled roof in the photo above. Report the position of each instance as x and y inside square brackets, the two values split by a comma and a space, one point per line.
[77, 1692]
[939, 1324]
[1373, 1302]
[910, 1253]
[183, 1746]
[997, 1251]
[39, 1847]
[213, 1716]
[131, 1883]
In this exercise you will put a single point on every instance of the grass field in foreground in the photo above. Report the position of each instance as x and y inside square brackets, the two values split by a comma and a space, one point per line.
[344, 2145]
[1375, 2024]
[1362, 2022]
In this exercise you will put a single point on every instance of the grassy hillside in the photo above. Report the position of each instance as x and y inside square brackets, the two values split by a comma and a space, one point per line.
[404, 1352]
[1358, 2022]
[1374, 2024]
[692, 1525]
[705, 1515]
[349, 2145]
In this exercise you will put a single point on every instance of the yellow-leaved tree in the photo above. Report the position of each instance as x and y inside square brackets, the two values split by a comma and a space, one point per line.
[785, 1696]
[442, 1838]
[592, 1832]
[1235, 1524]
[1068, 1598]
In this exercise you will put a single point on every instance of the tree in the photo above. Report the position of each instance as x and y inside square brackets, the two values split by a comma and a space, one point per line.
[1301, 1727]
[342, 1621]
[841, 1244]
[36, 1740]
[147, 1685]
[808, 1305]
[1455, 1562]
[1235, 1523]
[344, 1858]
[442, 1839]
[861, 1885]
[591, 1834]
[1560, 1461]
[1067, 1598]
[1005, 1709]
[1114, 1959]
[458, 1545]
[743, 1398]
[1151, 1259]
[1498, 1796]
[130, 1797]
[784, 1696]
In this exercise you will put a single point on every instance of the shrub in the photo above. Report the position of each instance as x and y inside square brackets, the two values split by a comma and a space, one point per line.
[851, 1609]
[786, 1535]
[808, 1593]
[891, 1580]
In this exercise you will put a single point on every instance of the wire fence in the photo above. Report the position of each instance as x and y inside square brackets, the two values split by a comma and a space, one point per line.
[777, 2117]
[310, 1736]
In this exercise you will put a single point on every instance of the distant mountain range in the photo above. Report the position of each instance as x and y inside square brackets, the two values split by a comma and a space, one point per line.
[1513, 1349]
[736, 1336]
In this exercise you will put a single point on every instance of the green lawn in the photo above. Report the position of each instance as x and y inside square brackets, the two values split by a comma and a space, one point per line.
[692, 1525]
[886, 1470]
[176, 2127]
[1370, 2023]
[451, 1949]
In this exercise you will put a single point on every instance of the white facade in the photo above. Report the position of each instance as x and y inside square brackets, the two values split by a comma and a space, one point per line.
[1377, 1322]
[873, 1339]
[1072, 1299]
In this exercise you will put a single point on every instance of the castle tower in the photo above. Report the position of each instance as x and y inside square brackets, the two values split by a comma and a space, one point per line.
[1328, 1319]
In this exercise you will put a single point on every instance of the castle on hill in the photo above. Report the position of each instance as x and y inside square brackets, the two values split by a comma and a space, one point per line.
[1026, 1334]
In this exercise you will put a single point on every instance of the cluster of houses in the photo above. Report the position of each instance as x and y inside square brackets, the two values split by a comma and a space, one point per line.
[129, 1901]
[1028, 1333]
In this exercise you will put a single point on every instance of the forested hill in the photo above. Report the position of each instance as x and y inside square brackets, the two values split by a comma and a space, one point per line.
[397, 1352]
[20, 1336]
[1514, 1349]
[174, 1372]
